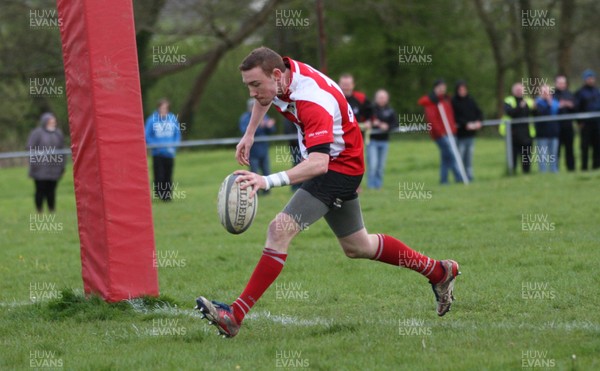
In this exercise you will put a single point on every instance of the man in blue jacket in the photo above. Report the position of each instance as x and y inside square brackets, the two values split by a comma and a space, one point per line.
[259, 153]
[548, 132]
[566, 105]
[162, 127]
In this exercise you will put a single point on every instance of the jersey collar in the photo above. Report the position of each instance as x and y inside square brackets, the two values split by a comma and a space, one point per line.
[281, 104]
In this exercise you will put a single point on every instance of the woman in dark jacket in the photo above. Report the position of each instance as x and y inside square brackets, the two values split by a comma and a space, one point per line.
[45, 165]
[468, 118]
[385, 120]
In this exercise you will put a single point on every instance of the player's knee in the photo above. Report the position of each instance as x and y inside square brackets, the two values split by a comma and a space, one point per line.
[353, 254]
[351, 251]
[357, 245]
[282, 228]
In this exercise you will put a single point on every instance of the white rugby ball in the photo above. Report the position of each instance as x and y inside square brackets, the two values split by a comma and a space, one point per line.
[235, 206]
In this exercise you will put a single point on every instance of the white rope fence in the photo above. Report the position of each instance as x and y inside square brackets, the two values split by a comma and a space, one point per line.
[279, 138]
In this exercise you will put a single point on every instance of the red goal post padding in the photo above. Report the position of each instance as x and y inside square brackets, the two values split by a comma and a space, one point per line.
[112, 191]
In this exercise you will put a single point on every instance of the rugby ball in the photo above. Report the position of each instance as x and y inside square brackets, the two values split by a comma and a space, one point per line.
[235, 206]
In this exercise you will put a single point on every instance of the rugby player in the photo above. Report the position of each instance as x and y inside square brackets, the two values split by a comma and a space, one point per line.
[332, 169]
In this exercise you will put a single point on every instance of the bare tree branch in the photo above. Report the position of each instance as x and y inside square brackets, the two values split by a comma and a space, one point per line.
[566, 36]
[213, 57]
[496, 45]
[530, 43]
[251, 23]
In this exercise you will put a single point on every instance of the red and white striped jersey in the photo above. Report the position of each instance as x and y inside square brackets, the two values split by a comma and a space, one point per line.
[318, 108]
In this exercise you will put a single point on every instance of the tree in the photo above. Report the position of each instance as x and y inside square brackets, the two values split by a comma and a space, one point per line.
[214, 27]
[213, 56]
[29, 50]
[490, 23]
[566, 36]
[530, 42]
[146, 16]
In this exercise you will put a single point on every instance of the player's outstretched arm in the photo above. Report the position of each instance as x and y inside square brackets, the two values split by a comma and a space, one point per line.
[316, 164]
[242, 150]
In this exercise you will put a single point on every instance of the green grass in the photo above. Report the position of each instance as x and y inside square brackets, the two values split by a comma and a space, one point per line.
[348, 313]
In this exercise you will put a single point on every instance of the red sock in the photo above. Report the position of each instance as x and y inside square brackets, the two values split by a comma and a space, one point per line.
[268, 268]
[394, 252]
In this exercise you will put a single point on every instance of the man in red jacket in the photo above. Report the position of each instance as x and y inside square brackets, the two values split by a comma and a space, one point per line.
[330, 172]
[434, 103]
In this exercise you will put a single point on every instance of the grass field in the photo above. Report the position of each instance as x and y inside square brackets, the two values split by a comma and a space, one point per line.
[528, 297]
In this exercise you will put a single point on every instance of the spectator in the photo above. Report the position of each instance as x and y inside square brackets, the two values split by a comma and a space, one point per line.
[162, 127]
[517, 106]
[588, 100]
[468, 118]
[548, 132]
[566, 105]
[358, 100]
[259, 153]
[434, 102]
[385, 120]
[45, 166]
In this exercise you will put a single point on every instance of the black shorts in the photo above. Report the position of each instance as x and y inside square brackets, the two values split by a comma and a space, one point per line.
[332, 188]
[332, 196]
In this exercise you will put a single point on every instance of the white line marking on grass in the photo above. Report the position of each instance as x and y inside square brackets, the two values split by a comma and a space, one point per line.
[15, 303]
[168, 309]
[282, 319]
[162, 308]
[289, 320]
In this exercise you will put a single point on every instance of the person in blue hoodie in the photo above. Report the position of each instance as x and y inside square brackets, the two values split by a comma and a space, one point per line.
[259, 153]
[162, 127]
[548, 132]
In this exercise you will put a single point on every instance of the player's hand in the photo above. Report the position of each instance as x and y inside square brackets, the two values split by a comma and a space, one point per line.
[242, 150]
[384, 126]
[251, 179]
